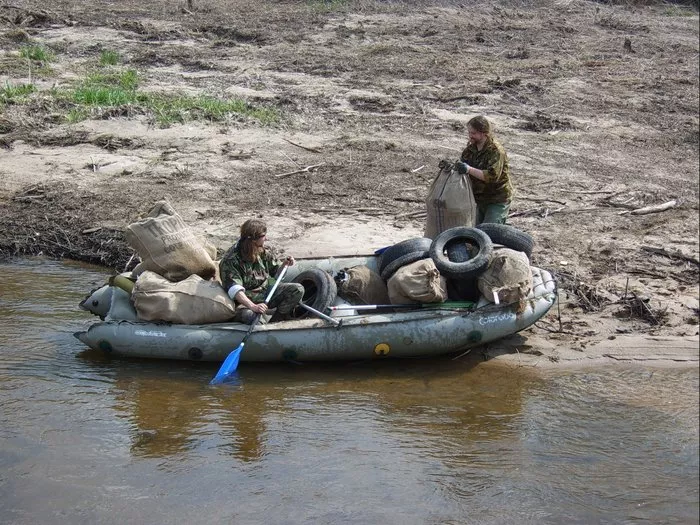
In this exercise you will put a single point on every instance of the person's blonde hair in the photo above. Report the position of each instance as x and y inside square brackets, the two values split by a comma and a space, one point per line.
[251, 230]
[480, 124]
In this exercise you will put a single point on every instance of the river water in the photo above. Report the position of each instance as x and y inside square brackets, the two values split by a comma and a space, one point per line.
[85, 439]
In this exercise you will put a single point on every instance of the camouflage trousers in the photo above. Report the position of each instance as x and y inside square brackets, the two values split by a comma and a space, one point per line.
[496, 213]
[283, 301]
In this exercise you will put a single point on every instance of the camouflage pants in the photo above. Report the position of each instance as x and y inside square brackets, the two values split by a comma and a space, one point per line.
[285, 298]
[497, 213]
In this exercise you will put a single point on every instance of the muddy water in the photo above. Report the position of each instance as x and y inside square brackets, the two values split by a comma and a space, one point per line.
[88, 440]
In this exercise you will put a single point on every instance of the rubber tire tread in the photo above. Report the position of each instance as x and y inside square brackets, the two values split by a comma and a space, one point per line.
[509, 236]
[403, 261]
[398, 250]
[322, 287]
[467, 269]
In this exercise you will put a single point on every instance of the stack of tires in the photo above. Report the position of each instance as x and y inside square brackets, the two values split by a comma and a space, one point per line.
[403, 253]
[461, 254]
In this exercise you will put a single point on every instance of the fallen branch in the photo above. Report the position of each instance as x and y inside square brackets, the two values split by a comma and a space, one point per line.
[541, 324]
[651, 209]
[675, 254]
[408, 199]
[307, 148]
[540, 199]
[455, 98]
[608, 201]
[307, 169]
[590, 192]
[411, 214]
[28, 198]
[648, 273]
[543, 211]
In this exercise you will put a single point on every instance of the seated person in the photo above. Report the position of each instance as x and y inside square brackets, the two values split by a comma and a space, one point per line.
[247, 273]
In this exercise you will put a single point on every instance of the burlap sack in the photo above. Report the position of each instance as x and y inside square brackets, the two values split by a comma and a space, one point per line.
[168, 247]
[363, 286]
[450, 202]
[190, 301]
[508, 278]
[418, 282]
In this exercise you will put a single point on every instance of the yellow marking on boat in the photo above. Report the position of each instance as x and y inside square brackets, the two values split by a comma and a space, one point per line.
[382, 349]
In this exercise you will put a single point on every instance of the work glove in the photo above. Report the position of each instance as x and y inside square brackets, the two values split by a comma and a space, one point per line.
[461, 167]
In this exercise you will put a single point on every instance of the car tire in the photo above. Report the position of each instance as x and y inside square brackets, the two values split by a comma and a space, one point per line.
[320, 291]
[508, 236]
[471, 268]
[408, 258]
[400, 249]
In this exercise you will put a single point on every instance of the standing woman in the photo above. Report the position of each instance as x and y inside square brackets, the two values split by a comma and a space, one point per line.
[248, 271]
[486, 162]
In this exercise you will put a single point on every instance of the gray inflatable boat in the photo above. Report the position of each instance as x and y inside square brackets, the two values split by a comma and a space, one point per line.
[358, 334]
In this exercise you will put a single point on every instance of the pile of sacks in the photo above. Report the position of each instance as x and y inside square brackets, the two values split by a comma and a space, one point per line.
[177, 279]
[506, 279]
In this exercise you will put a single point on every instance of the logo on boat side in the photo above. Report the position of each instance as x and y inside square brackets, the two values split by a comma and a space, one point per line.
[495, 318]
[382, 349]
[150, 333]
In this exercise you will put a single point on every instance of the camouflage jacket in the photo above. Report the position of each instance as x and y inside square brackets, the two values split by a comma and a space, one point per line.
[493, 161]
[255, 277]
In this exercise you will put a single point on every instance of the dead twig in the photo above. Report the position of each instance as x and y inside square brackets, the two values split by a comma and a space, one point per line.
[590, 192]
[540, 199]
[651, 209]
[471, 98]
[543, 211]
[126, 266]
[28, 198]
[462, 354]
[638, 307]
[412, 214]
[675, 254]
[408, 199]
[307, 148]
[542, 325]
[307, 169]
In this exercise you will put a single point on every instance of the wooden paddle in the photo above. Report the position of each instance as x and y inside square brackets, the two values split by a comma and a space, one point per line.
[228, 367]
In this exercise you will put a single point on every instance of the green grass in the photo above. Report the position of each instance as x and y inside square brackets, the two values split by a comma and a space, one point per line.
[168, 109]
[18, 93]
[109, 58]
[37, 53]
[676, 10]
[98, 92]
[78, 114]
[127, 80]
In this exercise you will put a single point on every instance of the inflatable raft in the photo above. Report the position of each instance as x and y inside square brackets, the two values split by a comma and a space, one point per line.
[426, 330]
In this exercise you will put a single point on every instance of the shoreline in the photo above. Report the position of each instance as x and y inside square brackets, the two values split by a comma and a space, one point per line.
[330, 125]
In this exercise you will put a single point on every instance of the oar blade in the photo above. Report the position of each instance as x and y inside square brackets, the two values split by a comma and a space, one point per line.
[228, 367]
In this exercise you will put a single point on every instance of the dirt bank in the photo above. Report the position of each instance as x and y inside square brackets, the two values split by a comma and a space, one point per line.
[597, 105]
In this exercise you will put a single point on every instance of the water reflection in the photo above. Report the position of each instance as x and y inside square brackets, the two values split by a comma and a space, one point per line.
[415, 400]
[424, 441]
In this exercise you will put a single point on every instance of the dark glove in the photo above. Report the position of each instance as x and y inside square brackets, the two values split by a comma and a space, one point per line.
[461, 167]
